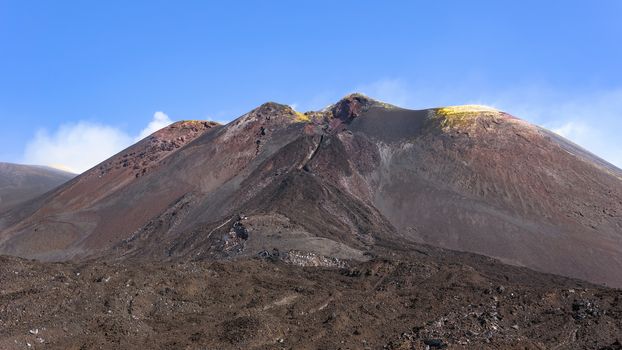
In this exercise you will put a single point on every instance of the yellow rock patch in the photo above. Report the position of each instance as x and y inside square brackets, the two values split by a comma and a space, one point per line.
[455, 116]
[302, 118]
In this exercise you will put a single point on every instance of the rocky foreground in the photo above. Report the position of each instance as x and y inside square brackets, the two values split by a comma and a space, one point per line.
[422, 299]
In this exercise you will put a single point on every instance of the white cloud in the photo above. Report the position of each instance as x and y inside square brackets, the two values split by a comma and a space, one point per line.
[572, 130]
[79, 146]
[159, 121]
[603, 143]
[592, 120]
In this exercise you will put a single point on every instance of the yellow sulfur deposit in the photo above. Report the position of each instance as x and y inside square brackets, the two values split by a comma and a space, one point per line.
[454, 116]
[302, 118]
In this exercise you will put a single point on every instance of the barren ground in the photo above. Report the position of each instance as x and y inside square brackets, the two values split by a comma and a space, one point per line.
[426, 298]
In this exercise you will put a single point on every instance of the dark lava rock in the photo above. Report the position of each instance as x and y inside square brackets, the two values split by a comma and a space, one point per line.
[435, 343]
[584, 308]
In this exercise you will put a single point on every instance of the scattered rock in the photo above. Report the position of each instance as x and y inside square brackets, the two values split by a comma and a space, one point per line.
[435, 343]
[584, 308]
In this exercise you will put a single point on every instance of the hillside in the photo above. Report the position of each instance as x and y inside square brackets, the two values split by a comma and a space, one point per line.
[20, 183]
[339, 183]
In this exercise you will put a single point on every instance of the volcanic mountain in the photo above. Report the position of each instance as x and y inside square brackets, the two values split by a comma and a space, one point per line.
[19, 183]
[338, 184]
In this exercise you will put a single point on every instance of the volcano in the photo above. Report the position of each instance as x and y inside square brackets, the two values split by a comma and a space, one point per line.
[337, 183]
[446, 226]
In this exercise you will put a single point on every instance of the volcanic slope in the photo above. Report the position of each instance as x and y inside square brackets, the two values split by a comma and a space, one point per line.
[20, 183]
[339, 183]
[91, 211]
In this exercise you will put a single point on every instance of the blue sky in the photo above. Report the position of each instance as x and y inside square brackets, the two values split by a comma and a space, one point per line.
[81, 79]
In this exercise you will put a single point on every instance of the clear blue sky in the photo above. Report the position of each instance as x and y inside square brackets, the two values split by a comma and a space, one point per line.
[113, 64]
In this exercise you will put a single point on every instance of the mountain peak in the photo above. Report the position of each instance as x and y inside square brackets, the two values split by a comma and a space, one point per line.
[352, 106]
[271, 107]
[182, 131]
[189, 124]
[464, 115]
[268, 112]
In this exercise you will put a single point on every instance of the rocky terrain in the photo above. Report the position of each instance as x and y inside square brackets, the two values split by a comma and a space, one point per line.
[414, 298]
[20, 183]
[363, 225]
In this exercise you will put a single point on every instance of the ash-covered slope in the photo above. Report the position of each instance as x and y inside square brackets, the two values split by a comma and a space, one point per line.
[20, 183]
[337, 184]
[89, 212]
